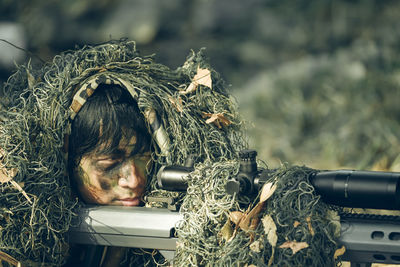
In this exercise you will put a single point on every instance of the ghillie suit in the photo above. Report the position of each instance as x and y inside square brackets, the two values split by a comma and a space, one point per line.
[188, 112]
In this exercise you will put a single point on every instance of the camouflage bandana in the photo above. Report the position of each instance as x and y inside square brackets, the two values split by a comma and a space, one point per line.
[89, 86]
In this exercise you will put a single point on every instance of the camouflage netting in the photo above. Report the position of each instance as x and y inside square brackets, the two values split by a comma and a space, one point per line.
[36, 204]
[292, 218]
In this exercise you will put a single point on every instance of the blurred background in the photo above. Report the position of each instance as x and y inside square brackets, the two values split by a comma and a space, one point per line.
[317, 81]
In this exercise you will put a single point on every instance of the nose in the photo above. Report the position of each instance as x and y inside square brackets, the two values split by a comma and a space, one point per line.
[130, 176]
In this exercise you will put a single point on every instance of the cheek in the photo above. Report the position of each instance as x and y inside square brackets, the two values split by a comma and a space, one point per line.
[94, 195]
[95, 188]
[102, 193]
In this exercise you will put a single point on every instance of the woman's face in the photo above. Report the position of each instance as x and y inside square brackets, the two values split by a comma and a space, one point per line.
[116, 179]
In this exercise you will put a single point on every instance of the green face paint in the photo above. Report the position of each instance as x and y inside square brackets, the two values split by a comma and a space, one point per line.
[83, 177]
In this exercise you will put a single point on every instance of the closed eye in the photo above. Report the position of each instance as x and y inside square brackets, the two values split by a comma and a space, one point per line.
[107, 164]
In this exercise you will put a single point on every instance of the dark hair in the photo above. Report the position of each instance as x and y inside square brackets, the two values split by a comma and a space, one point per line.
[109, 115]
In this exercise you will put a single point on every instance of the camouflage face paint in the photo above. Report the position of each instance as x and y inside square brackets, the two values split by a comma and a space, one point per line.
[99, 176]
[84, 178]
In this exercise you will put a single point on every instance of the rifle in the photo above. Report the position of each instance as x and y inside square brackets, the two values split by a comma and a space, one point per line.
[367, 238]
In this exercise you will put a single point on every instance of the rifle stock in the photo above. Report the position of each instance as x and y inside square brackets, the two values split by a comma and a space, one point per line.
[367, 238]
[120, 226]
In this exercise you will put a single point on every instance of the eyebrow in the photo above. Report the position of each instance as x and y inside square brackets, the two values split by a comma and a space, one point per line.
[128, 150]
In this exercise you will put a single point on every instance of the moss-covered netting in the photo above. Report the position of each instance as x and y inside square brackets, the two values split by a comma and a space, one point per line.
[36, 205]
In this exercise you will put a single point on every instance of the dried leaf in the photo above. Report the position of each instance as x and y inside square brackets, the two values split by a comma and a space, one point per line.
[246, 222]
[339, 252]
[202, 77]
[256, 246]
[236, 216]
[296, 223]
[226, 231]
[254, 223]
[233, 235]
[7, 175]
[294, 246]
[271, 259]
[310, 228]
[270, 229]
[217, 119]
[267, 190]
[191, 88]
[176, 103]
[4, 177]
[270, 232]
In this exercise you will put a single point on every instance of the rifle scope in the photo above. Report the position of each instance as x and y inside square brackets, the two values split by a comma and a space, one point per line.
[346, 188]
[174, 178]
[358, 189]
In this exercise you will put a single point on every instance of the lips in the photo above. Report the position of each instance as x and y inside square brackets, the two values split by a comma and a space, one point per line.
[130, 201]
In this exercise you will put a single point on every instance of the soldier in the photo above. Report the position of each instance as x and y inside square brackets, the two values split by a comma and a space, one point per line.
[110, 149]
[92, 127]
